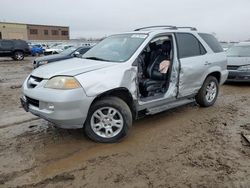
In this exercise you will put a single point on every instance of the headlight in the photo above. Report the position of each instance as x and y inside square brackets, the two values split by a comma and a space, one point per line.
[62, 82]
[244, 68]
[43, 62]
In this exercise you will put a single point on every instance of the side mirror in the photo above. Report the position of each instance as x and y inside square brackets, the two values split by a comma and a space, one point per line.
[76, 54]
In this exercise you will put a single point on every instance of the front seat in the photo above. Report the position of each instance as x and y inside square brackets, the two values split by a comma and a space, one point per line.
[156, 80]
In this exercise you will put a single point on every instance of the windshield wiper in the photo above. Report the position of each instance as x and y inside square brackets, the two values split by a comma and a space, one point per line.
[95, 58]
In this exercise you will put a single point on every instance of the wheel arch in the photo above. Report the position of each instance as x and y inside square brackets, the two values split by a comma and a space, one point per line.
[123, 94]
[215, 74]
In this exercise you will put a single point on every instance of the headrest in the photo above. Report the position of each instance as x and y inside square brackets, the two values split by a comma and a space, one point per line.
[152, 46]
[166, 46]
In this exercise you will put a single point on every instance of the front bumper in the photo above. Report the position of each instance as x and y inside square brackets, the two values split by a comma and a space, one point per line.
[238, 76]
[65, 108]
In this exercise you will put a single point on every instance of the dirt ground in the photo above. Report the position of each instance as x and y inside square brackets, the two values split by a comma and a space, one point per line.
[185, 147]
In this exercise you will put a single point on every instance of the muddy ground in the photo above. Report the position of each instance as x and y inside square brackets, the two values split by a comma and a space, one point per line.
[185, 147]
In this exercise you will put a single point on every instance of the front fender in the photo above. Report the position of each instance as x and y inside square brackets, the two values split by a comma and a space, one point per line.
[102, 80]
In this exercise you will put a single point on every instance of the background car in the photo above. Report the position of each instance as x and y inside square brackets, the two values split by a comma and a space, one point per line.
[16, 49]
[57, 49]
[67, 54]
[36, 50]
[239, 62]
[226, 45]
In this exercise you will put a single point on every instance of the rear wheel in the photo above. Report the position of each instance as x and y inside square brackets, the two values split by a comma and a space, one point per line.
[18, 56]
[108, 120]
[208, 93]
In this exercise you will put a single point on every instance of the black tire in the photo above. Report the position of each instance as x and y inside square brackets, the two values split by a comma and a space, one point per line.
[18, 56]
[201, 98]
[118, 105]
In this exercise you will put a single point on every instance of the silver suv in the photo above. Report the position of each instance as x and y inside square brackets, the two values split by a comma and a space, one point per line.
[119, 80]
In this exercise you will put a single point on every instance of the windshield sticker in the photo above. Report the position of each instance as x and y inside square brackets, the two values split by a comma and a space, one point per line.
[142, 36]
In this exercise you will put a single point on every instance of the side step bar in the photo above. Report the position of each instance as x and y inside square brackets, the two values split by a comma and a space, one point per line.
[158, 109]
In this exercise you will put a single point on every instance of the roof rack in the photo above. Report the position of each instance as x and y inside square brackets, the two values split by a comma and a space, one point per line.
[157, 26]
[191, 28]
[166, 27]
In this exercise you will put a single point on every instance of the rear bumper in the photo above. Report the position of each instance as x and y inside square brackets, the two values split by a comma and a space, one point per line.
[238, 76]
[224, 75]
[27, 52]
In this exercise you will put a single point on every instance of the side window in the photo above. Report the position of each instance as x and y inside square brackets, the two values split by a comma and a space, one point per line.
[83, 50]
[189, 45]
[212, 42]
[6, 44]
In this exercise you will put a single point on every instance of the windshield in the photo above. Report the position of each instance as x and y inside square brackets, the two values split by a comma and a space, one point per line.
[239, 51]
[68, 51]
[117, 48]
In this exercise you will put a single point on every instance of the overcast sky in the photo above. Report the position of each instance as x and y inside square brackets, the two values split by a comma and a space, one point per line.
[95, 18]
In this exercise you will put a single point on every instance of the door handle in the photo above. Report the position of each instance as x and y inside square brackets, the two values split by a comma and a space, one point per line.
[207, 63]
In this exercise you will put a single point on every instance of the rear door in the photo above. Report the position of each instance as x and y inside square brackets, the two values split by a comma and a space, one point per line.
[193, 60]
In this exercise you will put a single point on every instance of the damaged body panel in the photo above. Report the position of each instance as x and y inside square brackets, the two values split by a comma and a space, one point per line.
[122, 77]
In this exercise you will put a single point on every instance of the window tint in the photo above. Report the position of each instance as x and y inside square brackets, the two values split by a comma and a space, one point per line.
[189, 46]
[83, 50]
[6, 44]
[212, 42]
[202, 49]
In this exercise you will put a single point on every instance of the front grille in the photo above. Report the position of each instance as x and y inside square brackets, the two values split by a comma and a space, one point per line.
[33, 81]
[232, 67]
[33, 102]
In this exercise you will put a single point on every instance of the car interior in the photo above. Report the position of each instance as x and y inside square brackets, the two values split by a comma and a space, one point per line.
[152, 82]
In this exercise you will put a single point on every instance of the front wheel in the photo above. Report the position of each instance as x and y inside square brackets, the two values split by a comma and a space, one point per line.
[208, 93]
[108, 120]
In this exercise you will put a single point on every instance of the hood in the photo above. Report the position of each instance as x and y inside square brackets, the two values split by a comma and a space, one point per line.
[70, 67]
[51, 57]
[238, 61]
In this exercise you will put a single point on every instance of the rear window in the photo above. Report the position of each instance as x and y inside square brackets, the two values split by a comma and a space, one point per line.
[212, 42]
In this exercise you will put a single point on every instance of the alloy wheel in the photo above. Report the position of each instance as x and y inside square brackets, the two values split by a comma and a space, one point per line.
[211, 91]
[107, 122]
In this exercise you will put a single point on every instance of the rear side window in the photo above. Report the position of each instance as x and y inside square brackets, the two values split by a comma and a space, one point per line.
[212, 42]
[83, 50]
[189, 45]
[20, 44]
[6, 44]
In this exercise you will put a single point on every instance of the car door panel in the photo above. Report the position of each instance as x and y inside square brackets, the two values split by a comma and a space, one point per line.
[193, 63]
[191, 74]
